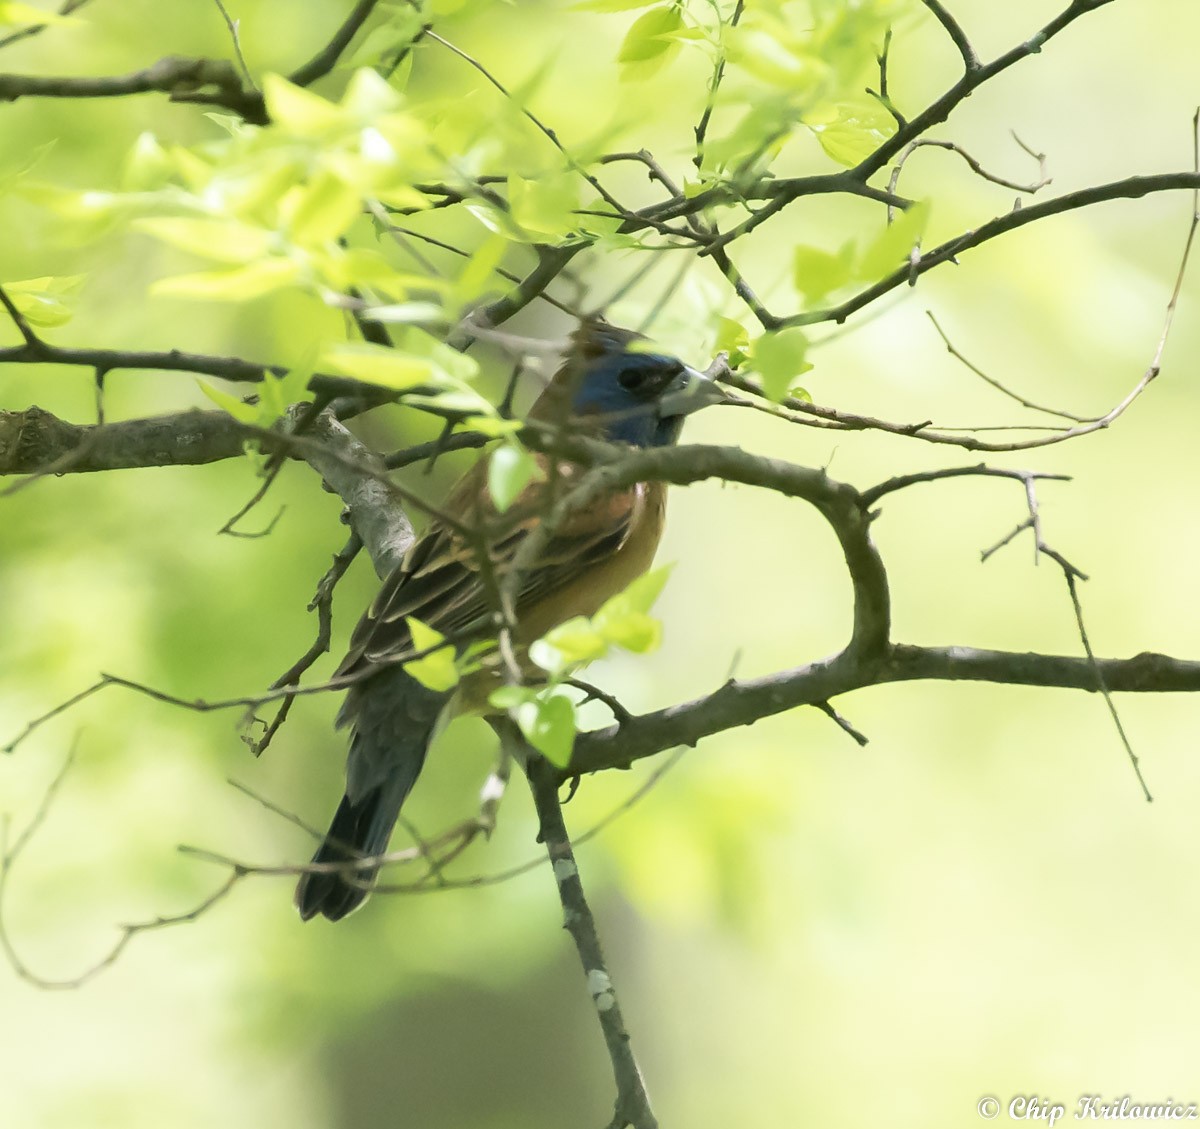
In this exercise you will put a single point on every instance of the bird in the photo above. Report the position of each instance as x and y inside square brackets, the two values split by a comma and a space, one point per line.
[610, 386]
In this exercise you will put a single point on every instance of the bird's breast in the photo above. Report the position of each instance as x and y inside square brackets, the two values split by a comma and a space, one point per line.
[584, 594]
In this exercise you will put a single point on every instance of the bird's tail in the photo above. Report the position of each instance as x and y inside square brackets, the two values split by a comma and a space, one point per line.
[394, 722]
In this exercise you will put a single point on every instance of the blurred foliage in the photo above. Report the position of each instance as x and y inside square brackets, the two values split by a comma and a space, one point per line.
[802, 931]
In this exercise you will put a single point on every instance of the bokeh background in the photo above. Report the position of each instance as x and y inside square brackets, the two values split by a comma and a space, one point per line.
[802, 931]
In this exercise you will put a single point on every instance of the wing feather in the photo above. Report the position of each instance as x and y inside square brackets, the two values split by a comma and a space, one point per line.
[439, 580]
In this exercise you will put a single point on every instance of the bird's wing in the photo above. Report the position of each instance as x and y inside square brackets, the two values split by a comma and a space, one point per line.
[439, 581]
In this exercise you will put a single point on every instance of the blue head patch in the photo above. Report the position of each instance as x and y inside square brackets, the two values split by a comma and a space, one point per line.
[625, 391]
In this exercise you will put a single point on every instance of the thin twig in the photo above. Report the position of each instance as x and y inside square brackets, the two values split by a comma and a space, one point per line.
[1072, 576]
[10, 853]
[30, 338]
[326, 58]
[882, 95]
[972, 164]
[234, 34]
[66, 9]
[827, 709]
[714, 86]
[954, 30]
[950, 348]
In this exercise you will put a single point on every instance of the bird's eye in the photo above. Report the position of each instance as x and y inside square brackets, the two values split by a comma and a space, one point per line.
[648, 379]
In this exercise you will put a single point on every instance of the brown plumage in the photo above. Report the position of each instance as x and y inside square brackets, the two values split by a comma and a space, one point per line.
[605, 388]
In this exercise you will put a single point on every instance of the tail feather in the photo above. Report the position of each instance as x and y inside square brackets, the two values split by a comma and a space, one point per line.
[394, 717]
[335, 893]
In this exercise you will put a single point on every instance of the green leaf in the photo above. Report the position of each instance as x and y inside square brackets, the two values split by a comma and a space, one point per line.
[849, 132]
[624, 619]
[611, 5]
[14, 12]
[568, 644]
[398, 31]
[369, 95]
[28, 161]
[510, 469]
[492, 426]
[778, 358]
[407, 313]
[320, 212]
[227, 241]
[649, 39]
[476, 277]
[40, 300]
[634, 631]
[280, 392]
[436, 670]
[642, 593]
[148, 166]
[770, 54]
[299, 111]
[816, 272]
[891, 248]
[510, 697]
[293, 385]
[549, 726]
[239, 409]
[544, 207]
[733, 339]
[375, 364]
[239, 285]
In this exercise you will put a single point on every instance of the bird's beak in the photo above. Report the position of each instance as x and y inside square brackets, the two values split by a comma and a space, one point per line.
[689, 392]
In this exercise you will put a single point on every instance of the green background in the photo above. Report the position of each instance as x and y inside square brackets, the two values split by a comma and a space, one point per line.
[801, 931]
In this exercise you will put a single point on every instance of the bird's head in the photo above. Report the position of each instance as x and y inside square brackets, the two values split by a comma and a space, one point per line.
[626, 393]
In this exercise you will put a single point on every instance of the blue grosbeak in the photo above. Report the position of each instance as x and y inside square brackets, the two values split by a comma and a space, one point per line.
[607, 389]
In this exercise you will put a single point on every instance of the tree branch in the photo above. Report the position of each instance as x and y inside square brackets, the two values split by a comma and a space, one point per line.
[212, 81]
[1132, 188]
[36, 441]
[632, 1107]
[355, 474]
[974, 77]
[326, 59]
[740, 703]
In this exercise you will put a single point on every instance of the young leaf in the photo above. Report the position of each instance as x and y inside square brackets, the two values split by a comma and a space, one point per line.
[642, 593]
[41, 300]
[226, 241]
[624, 619]
[373, 364]
[779, 360]
[406, 313]
[649, 39]
[549, 726]
[510, 469]
[894, 244]
[298, 111]
[816, 272]
[477, 276]
[544, 207]
[610, 5]
[635, 632]
[510, 697]
[240, 285]
[14, 12]
[436, 670]
[570, 643]
[850, 132]
[322, 211]
[492, 426]
[239, 409]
